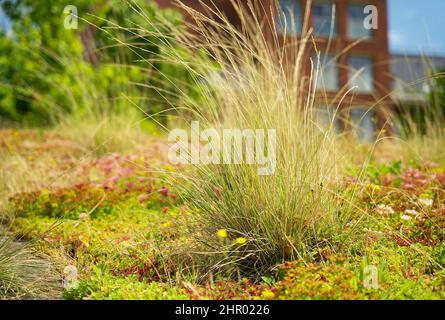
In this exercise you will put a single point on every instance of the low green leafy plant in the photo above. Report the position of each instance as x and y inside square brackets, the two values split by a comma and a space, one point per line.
[104, 286]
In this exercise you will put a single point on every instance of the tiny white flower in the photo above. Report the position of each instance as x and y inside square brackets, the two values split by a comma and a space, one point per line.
[83, 215]
[426, 202]
[412, 212]
[405, 217]
[384, 209]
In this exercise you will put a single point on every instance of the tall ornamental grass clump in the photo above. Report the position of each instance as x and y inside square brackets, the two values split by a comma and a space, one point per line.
[23, 274]
[79, 82]
[247, 222]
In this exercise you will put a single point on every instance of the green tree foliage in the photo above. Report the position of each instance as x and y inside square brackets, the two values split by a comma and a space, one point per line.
[437, 95]
[47, 70]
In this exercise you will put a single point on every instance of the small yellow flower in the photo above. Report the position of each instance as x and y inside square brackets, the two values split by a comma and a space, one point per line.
[84, 241]
[267, 294]
[222, 233]
[241, 240]
[44, 193]
[167, 224]
[374, 187]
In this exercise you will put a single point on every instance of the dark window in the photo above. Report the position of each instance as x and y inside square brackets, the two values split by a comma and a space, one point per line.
[289, 20]
[361, 73]
[362, 120]
[356, 19]
[323, 20]
[327, 76]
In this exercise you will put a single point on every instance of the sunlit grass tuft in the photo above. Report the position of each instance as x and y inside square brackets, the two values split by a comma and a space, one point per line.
[251, 82]
[23, 274]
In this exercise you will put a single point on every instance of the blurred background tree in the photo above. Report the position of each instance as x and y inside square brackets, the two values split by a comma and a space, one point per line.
[47, 71]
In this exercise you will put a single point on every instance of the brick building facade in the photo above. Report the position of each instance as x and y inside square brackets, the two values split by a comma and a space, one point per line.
[354, 60]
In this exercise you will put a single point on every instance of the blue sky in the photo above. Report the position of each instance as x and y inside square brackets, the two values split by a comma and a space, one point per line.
[2, 19]
[415, 26]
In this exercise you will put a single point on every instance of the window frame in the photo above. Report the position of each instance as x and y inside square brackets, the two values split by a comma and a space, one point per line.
[325, 116]
[332, 31]
[352, 74]
[294, 29]
[362, 135]
[367, 38]
[326, 60]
